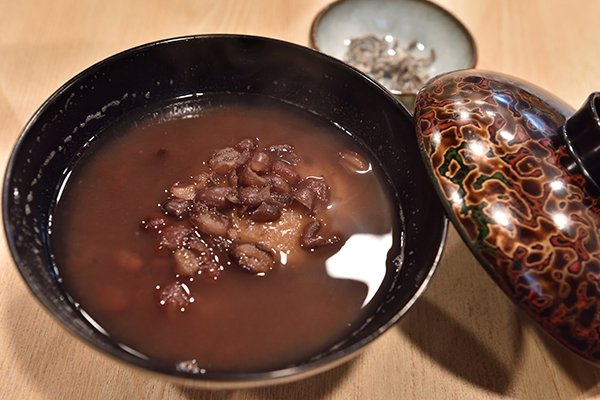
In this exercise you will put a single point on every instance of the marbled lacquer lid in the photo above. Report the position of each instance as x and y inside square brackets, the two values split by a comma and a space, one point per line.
[521, 193]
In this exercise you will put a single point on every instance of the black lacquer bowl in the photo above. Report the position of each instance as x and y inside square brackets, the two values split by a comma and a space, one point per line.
[157, 72]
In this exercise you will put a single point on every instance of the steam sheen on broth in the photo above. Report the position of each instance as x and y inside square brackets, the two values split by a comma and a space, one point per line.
[113, 269]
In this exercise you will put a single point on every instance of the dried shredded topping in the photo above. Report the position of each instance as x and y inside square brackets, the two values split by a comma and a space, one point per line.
[387, 61]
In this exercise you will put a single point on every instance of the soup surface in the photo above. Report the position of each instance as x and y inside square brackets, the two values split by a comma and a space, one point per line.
[117, 268]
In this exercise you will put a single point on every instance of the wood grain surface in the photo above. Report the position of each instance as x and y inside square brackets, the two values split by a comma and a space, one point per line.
[462, 340]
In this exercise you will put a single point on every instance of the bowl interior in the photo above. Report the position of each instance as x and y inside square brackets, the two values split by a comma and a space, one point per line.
[141, 77]
[405, 20]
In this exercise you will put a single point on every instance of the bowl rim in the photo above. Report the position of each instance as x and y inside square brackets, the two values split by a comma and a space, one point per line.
[210, 379]
[474, 53]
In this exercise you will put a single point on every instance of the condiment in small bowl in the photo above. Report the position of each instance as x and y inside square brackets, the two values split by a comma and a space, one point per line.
[399, 43]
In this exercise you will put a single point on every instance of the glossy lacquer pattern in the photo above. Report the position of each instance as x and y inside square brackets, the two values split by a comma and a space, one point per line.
[495, 149]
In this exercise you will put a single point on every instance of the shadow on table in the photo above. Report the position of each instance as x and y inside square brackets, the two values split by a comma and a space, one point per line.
[469, 344]
[453, 324]
[458, 350]
[313, 388]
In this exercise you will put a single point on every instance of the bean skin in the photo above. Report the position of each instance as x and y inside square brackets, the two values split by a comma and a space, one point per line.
[211, 222]
[286, 171]
[260, 162]
[225, 160]
[219, 197]
[313, 193]
[266, 213]
[173, 237]
[250, 257]
[174, 297]
[186, 262]
[177, 207]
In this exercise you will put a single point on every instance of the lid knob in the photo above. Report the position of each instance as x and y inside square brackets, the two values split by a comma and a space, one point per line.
[582, 133]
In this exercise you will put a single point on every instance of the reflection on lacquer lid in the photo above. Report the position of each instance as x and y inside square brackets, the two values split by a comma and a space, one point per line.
[496, 150]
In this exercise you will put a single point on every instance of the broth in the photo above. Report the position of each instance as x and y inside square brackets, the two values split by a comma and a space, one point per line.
[240, 321]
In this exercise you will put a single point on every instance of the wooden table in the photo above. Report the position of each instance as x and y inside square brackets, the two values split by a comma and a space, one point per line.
[462, 340]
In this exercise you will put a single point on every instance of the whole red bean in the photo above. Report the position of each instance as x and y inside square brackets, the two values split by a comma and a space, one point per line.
[210, 222]
[252, 258]
[225, 160]
[219, 197]
[286, 171]
[266, 213]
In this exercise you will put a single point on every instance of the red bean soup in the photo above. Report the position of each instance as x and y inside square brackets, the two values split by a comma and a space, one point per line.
[233, 232]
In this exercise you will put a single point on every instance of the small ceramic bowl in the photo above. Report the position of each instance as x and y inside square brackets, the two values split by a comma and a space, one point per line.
[432, 27]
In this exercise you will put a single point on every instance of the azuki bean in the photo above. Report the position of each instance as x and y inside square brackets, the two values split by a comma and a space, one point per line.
[247, 145]
[253, 196]
[280, 200]
[313, 193]
[260, 162]
[225, 160]
[310, 238]
[278, 184]
[285, 152]
[173, 236]
[186, 263]
[184, 191]
[175, 297]
[210, 222]
[220, 197]
[197, 245]
[154, 223]
[202, 179]
[266, 213]
[208, 266]
[250, 257]
[177, 207]
[286, 171]
[233, 179]
[250, 178]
